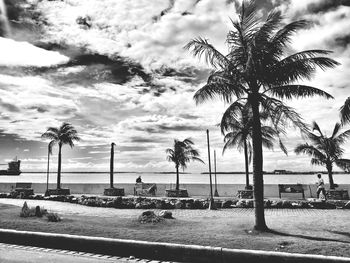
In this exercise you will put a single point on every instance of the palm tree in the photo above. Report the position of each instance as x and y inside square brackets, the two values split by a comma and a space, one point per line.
[65, 134]
[326, 151]
[181, 154]
[256, 71]
[237, 129]
[345, 112]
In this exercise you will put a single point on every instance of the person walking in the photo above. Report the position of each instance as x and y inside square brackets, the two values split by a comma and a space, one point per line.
[320, 187]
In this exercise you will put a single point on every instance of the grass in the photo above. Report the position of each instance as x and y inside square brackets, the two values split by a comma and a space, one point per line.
[301, 231]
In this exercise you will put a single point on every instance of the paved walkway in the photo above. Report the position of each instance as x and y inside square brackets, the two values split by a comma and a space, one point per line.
[27, 254]
[75, 209]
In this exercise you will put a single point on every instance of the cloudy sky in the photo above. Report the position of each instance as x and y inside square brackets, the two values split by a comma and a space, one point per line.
[117, 71]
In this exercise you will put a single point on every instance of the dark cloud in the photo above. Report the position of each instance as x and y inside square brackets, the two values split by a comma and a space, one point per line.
[133, 148]
[190, 116]
[97, 68]
[9, 107]
[12, 145]
[139, 139]
[166, 128]
[326, 5]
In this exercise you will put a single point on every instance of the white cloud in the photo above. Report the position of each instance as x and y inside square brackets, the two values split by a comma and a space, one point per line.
[13, 53]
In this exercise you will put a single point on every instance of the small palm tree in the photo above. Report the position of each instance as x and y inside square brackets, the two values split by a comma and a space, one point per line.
[326, 151]
[256, 70]
[65, 134]
[181, 154]
[237, 127]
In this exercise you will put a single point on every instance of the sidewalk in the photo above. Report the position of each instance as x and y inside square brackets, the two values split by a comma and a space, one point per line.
[26, 254]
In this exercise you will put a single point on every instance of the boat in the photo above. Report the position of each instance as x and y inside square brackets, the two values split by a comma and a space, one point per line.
[13, 168]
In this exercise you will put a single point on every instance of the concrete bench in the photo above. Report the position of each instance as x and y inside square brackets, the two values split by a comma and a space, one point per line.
[23, 190]
[144, 189]
[291, 189]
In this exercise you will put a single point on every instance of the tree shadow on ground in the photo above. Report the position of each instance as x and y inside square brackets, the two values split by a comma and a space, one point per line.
[275, 232]
[340, 233]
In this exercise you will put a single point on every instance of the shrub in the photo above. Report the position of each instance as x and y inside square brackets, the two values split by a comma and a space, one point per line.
[53, 217]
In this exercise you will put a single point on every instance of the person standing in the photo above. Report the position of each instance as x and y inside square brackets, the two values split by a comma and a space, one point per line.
[320, 187]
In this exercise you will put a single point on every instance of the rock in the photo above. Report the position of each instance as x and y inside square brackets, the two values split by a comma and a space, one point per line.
[267, 203]
[276, 204]
[189, 205]
[149, 217]
[197, 204]
[38, 212]
[347, 205]
[25, 212]
[179, 204]
[227, 204]
[286, 204]
[166, 214]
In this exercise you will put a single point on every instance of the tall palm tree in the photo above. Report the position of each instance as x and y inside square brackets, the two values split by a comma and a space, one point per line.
[65, 134]
[256, 71]
[181, 154]
[237, 127]
[345, 112]
[326, 151]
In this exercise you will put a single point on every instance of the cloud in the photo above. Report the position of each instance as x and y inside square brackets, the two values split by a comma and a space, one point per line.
[23, 54]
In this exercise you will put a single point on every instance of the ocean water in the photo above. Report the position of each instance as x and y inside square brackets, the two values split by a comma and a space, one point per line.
[192, 178]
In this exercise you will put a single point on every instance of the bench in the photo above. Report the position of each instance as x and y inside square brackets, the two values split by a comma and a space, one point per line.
[144, 189]
[291, 188]
[23, 190]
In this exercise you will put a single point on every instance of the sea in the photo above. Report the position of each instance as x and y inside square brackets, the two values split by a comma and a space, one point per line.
[169, 178]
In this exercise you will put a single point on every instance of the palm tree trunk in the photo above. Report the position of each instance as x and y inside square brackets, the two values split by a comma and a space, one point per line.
[258, 179]
[177, 178]
[59, 166]
[246, 165]
[330, 176]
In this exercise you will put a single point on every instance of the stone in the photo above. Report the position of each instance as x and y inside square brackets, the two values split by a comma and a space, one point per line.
[347, 205]
[227, 204]
[149, 217]
[197, 204]
[166, 214]
[38, 212]
[179, 204]
[25, 212]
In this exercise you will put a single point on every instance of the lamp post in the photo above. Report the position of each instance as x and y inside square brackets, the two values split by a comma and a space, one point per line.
[211, 204]
[48, 169]
[216, 194]
[111, 166]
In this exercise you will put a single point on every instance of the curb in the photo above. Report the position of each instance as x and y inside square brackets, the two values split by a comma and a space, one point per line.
[156, 250]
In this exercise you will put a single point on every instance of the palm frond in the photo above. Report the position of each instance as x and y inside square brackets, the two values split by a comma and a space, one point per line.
[343, 164]
[345, 112]
[310, 150]
[297, 91]
[336, 129]
[201, 47]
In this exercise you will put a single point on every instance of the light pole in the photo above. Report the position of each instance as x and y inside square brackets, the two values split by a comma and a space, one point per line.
[216, 194]
[211, 204]
[111, 166]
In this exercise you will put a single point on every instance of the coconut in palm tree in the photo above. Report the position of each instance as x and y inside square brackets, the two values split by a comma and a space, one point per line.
[181, 153]
[257, 71]
[65, 134]
[326, 150]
